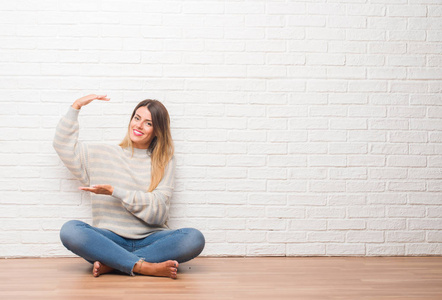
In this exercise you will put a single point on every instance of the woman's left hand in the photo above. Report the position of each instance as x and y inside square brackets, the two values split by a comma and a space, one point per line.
[104, 189]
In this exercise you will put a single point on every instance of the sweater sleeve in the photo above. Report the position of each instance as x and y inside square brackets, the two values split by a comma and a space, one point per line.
[151, 207]
[72, 152]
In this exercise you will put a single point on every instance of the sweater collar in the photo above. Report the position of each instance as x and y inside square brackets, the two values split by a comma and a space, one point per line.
[142, 153]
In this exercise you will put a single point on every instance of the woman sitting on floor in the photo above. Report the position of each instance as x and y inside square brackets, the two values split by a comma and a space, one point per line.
[132, 184]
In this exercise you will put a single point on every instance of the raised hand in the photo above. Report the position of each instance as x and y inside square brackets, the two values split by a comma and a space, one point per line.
[88, 99]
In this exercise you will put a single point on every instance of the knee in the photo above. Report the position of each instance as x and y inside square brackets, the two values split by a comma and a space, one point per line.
[196, 238]
[68, 232]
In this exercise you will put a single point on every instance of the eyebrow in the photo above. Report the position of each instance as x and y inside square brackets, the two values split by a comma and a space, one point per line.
[143, 120]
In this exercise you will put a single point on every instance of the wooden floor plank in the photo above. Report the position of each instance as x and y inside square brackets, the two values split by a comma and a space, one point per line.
[231, 278]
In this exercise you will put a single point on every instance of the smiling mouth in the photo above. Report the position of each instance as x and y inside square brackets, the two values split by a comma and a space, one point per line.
[137, 133]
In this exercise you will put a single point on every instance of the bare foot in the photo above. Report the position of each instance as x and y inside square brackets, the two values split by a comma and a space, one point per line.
[100, 268]
[164, 269]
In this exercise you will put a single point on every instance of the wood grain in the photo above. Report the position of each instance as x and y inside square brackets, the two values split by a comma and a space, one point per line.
[231, 278]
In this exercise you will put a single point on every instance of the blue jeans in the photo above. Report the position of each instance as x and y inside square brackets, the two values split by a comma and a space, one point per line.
[97, 244]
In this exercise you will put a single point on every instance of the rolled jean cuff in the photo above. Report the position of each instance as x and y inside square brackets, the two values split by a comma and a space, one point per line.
[132, 271]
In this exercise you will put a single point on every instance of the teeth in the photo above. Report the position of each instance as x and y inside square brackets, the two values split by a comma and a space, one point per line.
[138, 132]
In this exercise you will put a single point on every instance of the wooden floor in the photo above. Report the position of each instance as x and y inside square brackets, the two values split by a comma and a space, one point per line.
[231, 278]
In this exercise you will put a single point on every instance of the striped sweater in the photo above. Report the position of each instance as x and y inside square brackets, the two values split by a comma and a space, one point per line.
[131, 211]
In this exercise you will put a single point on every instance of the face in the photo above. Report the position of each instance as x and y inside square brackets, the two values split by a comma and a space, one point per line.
[141, 128]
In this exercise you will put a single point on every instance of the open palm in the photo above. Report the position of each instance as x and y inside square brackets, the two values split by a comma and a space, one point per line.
[79, 103]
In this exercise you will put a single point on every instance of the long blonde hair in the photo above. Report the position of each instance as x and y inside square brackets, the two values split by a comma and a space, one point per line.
[161, 147]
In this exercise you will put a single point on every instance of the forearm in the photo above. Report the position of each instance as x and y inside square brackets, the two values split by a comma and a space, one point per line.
[71, 152]
[151, 207]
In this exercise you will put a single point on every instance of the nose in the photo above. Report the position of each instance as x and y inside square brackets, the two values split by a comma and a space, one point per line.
[138, 124]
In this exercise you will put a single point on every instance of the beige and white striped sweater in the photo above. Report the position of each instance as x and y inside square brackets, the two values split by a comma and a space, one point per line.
[131, 211]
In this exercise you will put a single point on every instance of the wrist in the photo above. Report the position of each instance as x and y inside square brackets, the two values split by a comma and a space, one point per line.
[76, 106]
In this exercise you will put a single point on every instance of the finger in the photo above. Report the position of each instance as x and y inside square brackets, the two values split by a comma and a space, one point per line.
[99, 186]
[88, 189]
[103, 97]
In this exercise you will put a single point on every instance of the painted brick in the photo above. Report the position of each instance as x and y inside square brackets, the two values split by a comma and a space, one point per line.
[267, 199]
[326, 237]
[365, 236]
[309, 200]
[227, 197]
[226, 224]
[420, 249]
[424, 223]
[306, 249]
[286, 237]
[307, 225]
[385, 250]
[404, 236]
[285, 212]
[227, 173]
[202, 7]
[346, 224]
[366, 212]
[321, 186]
[317, 148]
[267, 224]
[266, 173]
[300, 129]
[348, 173]
[310, 173]
[286, 186]
[347, 200]
[345, 249]
[263, 249]
[245, 236]
[224, 249]
[387, 224]
[328, 212]
[434, 236]
[388, 173]
[246, 212]
[244, 7]
[285, 8]
[409, 186]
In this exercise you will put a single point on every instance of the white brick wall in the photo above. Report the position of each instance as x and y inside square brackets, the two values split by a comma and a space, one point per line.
[301, 127]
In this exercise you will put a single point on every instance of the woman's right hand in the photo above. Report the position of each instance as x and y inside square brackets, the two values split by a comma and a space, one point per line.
[79, 103]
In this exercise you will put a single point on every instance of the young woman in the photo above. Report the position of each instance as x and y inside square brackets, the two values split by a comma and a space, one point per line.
[131, 186]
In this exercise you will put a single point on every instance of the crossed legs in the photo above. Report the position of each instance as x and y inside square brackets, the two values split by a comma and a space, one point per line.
[159, 254]
[166, 269]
